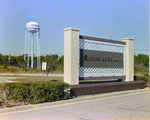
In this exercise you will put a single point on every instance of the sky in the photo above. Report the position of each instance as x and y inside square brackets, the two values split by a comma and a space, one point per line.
[95, 18]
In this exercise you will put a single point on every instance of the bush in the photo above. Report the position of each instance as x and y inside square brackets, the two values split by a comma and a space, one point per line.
[5, 65]
[143, 78]
[36, 92]
[13, 70]
[146, 74]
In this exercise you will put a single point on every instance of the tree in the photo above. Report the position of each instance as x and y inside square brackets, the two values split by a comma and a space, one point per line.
[61, 63]
[141, 59]
[55, 57]
[141, 63]
[20, 60]
[35, 62]
[5, 65]
[5, 58]
[61, 60]
[52, 61]
[1, 58]
[13, 60]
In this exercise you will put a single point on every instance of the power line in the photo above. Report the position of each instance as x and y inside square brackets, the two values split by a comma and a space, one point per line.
[140, 49]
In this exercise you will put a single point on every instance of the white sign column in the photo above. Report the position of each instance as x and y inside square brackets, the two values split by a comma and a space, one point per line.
[129, 58]
[71, 56]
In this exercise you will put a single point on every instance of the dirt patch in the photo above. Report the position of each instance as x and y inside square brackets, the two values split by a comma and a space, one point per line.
[2, 105]
[10, 103]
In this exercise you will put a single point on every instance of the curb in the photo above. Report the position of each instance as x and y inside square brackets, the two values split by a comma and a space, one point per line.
[30, 107]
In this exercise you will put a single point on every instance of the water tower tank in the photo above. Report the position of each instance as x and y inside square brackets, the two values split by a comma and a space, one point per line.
[32, 27]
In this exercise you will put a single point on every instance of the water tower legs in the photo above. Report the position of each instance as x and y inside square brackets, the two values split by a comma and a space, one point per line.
[29, 46]
[25, 45]
[28, 49]
[38, 50]
[32, 50]
[38, 58]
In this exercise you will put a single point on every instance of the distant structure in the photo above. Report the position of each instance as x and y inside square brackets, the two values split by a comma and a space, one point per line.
[32, 31]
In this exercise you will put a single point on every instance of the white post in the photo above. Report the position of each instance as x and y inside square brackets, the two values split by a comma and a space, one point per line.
[37, 51]
[25, 45]
[28, 49]
[149, 40]
[129, 58]
[32, 51]
[71, 56]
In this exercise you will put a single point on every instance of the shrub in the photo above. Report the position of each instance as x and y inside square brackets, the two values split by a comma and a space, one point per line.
[143, 78]
[13, 70]
[5, 65]
[146, 74]
[36, 92]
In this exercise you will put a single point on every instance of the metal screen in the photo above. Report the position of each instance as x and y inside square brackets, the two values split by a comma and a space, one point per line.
[101, 46]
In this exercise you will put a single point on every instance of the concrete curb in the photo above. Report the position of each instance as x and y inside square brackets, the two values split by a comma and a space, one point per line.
[64, 102]
[9, 81]
[32, 106]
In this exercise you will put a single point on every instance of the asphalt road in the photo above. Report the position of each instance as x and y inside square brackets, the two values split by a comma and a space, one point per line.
[124, 105]
[2, 79]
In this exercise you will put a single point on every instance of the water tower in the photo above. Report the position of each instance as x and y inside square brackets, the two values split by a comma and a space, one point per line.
[32, 33]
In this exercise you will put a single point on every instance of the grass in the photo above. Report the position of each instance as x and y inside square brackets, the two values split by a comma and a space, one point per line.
[17, 77]
[31, 78]
[14, 70]
[140, 69]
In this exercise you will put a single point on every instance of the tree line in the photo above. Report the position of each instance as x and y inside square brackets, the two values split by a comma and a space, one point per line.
[54, 62]
[141, 59]
[141, 63]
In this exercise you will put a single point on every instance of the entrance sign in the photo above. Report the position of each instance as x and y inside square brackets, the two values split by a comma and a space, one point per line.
[110, 52]
[89, 58]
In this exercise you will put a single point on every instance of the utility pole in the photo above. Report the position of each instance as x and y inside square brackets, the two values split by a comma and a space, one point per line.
[149, 39]
[9, 61]
[110, 36]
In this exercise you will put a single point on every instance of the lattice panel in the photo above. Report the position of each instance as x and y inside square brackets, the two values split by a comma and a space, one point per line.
[101, 46]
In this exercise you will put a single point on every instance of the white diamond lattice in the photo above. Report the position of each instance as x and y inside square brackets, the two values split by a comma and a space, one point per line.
[101, 46]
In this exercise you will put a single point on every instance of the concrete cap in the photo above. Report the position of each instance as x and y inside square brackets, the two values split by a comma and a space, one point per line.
[128, 39]
[73, 29]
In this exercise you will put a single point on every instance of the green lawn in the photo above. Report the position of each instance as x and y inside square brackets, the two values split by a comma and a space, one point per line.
[18, 78]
